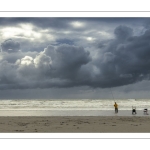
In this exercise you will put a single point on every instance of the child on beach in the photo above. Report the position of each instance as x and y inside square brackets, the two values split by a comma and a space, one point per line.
[133, 110]
[146, 111]
[116, 107]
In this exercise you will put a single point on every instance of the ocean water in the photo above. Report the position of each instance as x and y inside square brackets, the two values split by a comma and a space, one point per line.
[71, 107]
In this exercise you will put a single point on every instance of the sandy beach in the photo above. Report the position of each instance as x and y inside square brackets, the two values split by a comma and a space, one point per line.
[75, 124]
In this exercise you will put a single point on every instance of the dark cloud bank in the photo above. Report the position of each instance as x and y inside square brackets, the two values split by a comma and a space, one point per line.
[122, 61]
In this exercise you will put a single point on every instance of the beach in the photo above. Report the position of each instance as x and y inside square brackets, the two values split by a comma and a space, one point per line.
[73, 116]
[75, 124]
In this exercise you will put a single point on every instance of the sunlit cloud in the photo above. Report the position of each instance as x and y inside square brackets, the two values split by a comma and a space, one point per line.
[77, 24]
[22, 31]
[27, 60]
[90, 38]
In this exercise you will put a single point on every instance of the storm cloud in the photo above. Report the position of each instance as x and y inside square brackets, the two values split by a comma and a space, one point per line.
[67, 52]
[10, 46]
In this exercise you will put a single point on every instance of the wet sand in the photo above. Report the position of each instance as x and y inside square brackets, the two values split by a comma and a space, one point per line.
[75, 124]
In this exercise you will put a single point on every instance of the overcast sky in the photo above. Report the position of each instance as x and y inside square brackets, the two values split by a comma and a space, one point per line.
[74, 58]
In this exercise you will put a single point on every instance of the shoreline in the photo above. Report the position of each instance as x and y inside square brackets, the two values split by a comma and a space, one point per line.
[65, 113]
[75, 124]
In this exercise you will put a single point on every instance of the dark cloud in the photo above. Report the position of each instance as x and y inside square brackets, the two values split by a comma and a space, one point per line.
[55, 66]
[7, 73]
[123, 32]
[126, 59]
[10, 46]
[65, 41]
[67, 60]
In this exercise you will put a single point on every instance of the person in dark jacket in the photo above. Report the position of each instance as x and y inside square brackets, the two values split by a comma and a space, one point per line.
[133, 110]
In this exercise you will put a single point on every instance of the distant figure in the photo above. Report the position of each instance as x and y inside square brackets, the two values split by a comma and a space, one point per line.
[116, 107]
[133, 110]
[146, 111]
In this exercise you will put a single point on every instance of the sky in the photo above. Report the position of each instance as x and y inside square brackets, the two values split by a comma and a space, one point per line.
[74, 58]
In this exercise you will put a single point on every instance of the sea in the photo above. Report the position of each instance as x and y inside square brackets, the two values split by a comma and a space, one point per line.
[71, 107]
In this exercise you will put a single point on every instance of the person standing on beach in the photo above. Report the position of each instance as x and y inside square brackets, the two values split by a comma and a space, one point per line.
[116, 107]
